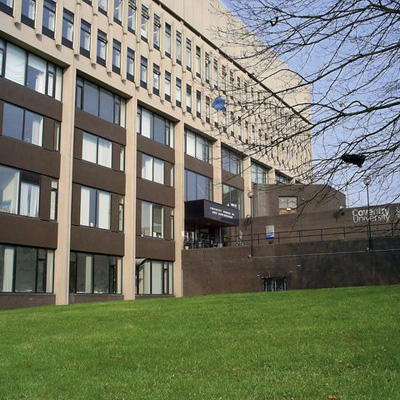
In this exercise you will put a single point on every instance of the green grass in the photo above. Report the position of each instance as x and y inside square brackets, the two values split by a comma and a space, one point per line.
[289, 345]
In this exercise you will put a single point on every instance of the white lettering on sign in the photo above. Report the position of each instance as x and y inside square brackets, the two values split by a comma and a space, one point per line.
[378, 214]
[221, 213]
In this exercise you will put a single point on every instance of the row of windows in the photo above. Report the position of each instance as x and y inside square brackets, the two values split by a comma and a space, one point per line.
[20, 193]
[31, 71]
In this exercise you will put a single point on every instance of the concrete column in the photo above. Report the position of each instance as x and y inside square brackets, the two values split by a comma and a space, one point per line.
[217, 171]
[179, 213]
[128, 285]
[247, 185]
[62, 254]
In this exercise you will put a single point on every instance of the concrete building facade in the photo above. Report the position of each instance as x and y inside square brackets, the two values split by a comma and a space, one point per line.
[106, 129]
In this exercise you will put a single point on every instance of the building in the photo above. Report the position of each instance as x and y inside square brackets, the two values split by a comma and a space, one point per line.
[106, 129]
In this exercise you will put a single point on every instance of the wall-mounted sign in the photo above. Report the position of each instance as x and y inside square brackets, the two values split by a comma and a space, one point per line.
[269, 231]
[376, 214]
[220, 212]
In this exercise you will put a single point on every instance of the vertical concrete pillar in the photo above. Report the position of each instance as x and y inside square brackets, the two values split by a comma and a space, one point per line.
[217, 172]
[247, 185]
[62, 254]
[179, 214]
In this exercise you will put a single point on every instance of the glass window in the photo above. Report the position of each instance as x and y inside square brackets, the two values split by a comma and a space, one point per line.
[130, 65]
[178, 94]
[287, 205]
[167, 86]
[95, 208]
[7, 6]
[197, 187]
[232, 197]
[208, 109]
[279, 178]
[49, 18]
[152, 169]
[116, 61]
[198, 104]
[156, 79]
[95, 273]
[188, 54]
[152, 219]
[26, 269]
[28, 12]
[118, 11]
[231, 162]
[103, 6]
[168, 40]
[101, 47]
[155, 278]
[258, 173]
[53, 199]
[208, 67]
[15, 64]
[156, 32]
[178, 47]
[188, 98]
[143, 72]
[85, 38]
[197, 146]
[68, 28]
[215, 73]
[198, 61]
[36, 73]
[144, 23]
[96, 150]
[132, 15]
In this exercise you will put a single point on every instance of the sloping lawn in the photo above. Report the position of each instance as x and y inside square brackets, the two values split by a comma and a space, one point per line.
[311, 344]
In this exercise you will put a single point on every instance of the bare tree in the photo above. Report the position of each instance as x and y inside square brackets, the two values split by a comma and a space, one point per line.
[348, 54]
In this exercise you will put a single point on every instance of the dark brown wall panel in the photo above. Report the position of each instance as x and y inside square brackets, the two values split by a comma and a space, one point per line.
[45, 193]
[28, 98]
[97, 241]
[155, 192]
[100, 127]
[153, 148]
[26, 231]
[155, 249]
[25, 156]
[89, 174]
[232, 180]
[76, 204]
[198, 166]
[16, 300]
[89, 298]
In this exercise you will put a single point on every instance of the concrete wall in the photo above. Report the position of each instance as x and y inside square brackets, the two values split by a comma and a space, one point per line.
[305, 265]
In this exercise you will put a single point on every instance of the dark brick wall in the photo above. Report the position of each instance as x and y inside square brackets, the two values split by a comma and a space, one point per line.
[305, 265]
[21, 300]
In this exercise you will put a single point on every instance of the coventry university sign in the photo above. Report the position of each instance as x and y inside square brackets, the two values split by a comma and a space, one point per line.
[376, 214]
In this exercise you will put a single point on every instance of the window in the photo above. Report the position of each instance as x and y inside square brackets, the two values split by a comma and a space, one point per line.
[215, 73]
[208, 68]
[53, 199]
[49, 18]
[103, 6]
[197, 146]
[101, 47]
[152, 219]
[122, 159]
[152, 169]
[167, 86]
[178, 94]
[30, 71]
[96, 150]
[188, 55]
[198, 104]
[156, 79]
[130, 65]
[208, 109]
[143, 23]
[287, 205]
[224, 79]
[19, 192]
[56, 136]
[154, 277]
[156, 32]
[198, 61]
[143, 72]
[274, 284]
[28, 12]
[232, 197]
[95, 273]
[197, 187]
[100, 102]
[188, 98]
[7, 6]
[85, 38]
[22, 124]
[231, 162]
[68, 28]
[258, 173]
[178, 47]
[118, 11]
[26, 269]
[155, 127]
[132, 15]
[121, 209]
[168, 40]
[279, 178]
[95, 208]
[116, 62]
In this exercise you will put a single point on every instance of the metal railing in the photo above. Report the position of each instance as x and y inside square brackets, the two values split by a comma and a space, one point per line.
[304, 235]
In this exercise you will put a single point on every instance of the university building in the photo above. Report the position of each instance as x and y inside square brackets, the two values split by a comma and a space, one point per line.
[107, 130]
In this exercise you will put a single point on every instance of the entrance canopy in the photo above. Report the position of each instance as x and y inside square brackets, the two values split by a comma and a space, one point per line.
[206, 213]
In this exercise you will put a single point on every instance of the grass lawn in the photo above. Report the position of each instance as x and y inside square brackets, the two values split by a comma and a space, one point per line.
[309, 344]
